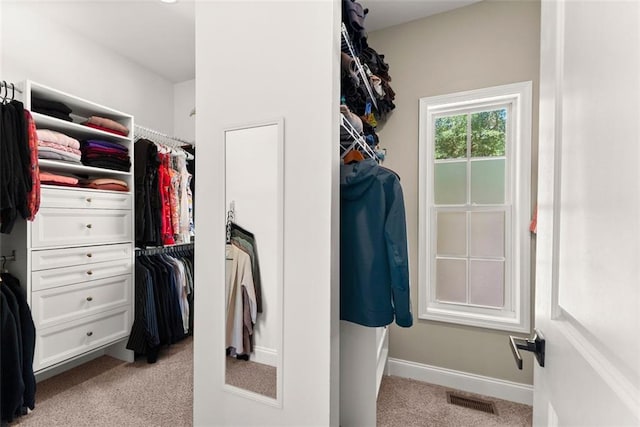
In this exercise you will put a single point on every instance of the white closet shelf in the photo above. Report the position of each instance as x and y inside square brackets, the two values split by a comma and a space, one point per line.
[83, 189]
[76, 130]
[77, 168]
[80, 107]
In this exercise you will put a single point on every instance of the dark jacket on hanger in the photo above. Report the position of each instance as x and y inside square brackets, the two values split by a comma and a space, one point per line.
[11, 382]
[374, 268]
[27, 332]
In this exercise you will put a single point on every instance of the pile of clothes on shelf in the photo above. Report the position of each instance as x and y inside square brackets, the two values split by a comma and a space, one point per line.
[106, 125]
[69, 180]
[54, 145]
[355, 96]
[51, 108]
[105, 154]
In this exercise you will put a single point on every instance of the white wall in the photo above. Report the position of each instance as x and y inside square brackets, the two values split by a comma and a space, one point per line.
[184, 100]
[422, 64]
[281, 62]
[33, 47]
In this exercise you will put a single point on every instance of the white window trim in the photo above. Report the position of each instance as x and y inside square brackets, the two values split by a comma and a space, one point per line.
[519, 96]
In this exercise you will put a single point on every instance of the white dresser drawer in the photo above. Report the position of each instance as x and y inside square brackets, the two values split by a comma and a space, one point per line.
[56, 277]
[61, 342]
[55, 258]
[81, 198]
[62, 304]
[75, 227]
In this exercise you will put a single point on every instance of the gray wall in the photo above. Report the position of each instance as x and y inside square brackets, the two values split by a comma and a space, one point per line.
[486, 44]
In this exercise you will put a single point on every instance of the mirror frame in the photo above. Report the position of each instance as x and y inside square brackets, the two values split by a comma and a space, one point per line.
[277, 402]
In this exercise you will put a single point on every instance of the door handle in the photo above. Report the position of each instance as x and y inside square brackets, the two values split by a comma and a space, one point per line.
[536, 344]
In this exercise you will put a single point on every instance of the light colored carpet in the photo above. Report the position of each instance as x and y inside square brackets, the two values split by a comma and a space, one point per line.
[251, 376]
[403, 402]
[108, 392]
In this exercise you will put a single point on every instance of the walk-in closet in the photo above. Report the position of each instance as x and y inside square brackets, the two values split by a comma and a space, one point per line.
[323, 213]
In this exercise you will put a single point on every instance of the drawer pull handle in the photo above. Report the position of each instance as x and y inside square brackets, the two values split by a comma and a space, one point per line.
[89, 333]
[89, 299]
[89, 226]
[88, 199]
[89, 273]
[89, 255]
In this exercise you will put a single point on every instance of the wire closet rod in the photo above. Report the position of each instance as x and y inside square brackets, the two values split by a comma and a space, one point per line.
[165, 249]
[8, 258]
[10, 85]
[150, 132]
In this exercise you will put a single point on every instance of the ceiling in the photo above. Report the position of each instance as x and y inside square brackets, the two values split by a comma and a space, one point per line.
[386, 13]
[161, 37]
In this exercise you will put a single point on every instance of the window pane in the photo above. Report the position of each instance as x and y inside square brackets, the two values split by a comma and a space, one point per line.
[487, 181]
[487, 234]
[488, 133]
[451, 280]
[452, 233]
[486, 283]
[451, 137]
[450, 183]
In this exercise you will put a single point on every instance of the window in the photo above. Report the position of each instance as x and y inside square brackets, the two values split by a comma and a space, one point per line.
[475, 165]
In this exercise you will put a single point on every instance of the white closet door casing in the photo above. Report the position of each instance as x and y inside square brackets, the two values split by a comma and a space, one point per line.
[62, 342]
[56, 258]
[57, 277]
[72, 199]
[66, 303]
[75, 227]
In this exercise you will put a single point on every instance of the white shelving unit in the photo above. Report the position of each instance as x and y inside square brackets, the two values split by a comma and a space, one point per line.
[75, 260]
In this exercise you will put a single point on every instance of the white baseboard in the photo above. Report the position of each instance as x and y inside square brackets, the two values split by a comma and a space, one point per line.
[264, 355]
[501, 389]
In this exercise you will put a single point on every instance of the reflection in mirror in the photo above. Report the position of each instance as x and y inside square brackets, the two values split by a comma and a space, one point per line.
[254, 258]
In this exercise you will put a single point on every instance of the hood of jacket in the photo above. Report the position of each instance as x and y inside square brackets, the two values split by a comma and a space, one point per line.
[356, 178]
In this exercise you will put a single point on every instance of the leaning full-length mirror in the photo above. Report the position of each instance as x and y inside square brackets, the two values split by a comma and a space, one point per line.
[254, 258]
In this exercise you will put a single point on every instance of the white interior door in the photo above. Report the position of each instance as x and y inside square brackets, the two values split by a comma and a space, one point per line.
[588, 276]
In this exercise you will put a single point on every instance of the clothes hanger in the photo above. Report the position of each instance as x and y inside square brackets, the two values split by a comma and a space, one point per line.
[353, 156]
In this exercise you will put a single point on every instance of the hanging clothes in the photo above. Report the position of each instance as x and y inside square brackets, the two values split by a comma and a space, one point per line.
[241, 305]
[16, 169]
[17, 336]
[246, 241]
[374, 267]
[164, 288]
[164, 199]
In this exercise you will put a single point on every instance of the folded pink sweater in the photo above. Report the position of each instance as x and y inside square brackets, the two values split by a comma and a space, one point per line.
[103, 122]
[57, 138]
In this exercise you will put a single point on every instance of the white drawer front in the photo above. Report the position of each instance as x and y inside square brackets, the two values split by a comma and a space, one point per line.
[74, 227]
[57, 305]
[55, 258]
[56, 277]
[58, 343]
[74, 198]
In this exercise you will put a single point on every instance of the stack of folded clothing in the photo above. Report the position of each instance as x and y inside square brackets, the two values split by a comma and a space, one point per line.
[107, 125]
[51, 108]
[105, 184]
[105, 154]
[50, 178]
[57, 146]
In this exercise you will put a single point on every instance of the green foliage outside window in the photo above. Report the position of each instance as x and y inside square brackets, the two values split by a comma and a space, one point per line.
[487, 135]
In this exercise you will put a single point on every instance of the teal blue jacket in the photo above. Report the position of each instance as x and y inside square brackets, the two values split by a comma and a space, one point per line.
[374, 266]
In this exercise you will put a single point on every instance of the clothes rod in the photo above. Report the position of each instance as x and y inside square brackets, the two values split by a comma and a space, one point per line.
[165, 249]
[10, 86]
[151, 132]
[8, 258]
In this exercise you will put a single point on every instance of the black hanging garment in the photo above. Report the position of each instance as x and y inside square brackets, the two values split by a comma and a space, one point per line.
[17, 380]
[159, 301]
[15, 165]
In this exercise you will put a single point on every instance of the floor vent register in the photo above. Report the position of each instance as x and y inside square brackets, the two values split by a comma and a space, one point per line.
[471, 403]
